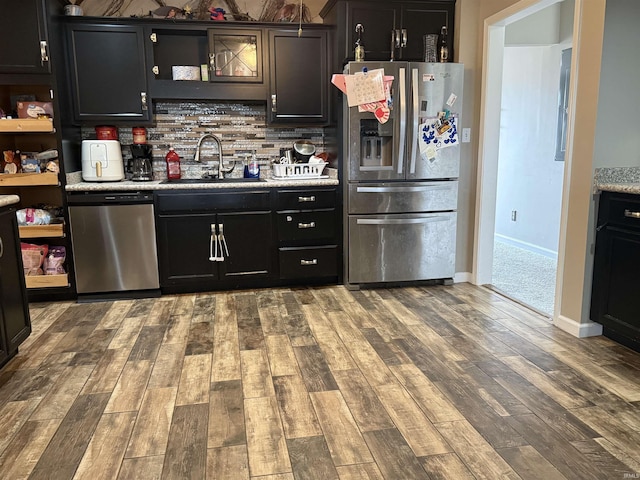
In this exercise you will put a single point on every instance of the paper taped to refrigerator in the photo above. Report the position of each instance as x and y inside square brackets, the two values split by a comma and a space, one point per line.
[365, 87]
[435, 136]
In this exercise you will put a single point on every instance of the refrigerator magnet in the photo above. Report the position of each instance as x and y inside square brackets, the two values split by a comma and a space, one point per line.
[452, 99]
[428, 77]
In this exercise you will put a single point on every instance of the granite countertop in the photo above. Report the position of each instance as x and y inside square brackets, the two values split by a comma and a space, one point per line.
[6, 200]
[75, 184]
[617, 179]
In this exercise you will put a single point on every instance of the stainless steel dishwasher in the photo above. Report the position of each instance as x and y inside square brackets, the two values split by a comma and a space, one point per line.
[114, 243]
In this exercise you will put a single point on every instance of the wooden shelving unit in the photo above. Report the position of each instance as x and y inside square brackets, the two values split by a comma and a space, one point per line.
[36, 231]
[26, 125]
[28, 179]
[47, 281]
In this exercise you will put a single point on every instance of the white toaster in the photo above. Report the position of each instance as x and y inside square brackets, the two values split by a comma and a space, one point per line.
[102, 161]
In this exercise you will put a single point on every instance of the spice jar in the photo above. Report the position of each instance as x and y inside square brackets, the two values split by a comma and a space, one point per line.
[139, 135]
[173, 164]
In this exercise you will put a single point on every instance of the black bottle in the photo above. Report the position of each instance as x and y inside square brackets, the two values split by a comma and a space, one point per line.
[443, 46]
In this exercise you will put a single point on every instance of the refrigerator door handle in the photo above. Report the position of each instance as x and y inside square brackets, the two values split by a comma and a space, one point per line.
[401, 221]
[402, 189]
[413, 151]
[403, 119]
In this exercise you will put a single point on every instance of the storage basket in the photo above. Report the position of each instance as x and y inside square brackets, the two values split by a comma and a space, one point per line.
[298, 170]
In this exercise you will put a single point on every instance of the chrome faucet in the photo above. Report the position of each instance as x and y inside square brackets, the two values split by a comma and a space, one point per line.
[221, 168]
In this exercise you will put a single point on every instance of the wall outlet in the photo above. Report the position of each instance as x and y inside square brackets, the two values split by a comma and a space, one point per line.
[514, 215]
[466, 135]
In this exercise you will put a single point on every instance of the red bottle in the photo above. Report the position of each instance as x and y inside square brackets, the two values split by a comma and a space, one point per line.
[173, 164]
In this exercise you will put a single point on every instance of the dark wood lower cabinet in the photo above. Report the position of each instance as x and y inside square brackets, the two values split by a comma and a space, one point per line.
[241, 239]
[615, 302]
[15, 324]
[204, 246]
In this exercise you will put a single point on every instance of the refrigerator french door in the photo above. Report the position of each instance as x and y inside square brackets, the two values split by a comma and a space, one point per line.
[390, 151]
[400, 204]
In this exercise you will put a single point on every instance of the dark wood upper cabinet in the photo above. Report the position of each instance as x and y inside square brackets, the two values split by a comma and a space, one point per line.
[419, 19]
[298, 77]
[392, 29]
[108, 73]
[232, 59]
[25, 47]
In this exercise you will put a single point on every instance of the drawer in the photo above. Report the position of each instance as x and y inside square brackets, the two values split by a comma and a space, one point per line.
[305, 199]
[309, 262]
[298, 226]
[199, 201]
[623, 210]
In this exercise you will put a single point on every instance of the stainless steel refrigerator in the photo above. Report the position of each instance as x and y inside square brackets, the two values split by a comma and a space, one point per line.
[401, 192]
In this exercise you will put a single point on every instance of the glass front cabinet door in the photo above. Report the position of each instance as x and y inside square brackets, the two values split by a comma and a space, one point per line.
[235, 56]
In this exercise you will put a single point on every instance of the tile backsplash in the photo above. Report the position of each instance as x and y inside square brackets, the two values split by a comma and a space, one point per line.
[241, 128]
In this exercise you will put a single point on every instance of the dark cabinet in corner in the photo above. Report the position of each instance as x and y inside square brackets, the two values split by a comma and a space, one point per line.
[107, 72]
[615, 302]
[15, 325]
[298, 77]
[24, 26]
[213, 240]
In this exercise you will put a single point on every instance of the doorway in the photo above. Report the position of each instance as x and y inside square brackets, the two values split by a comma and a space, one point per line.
[525, 171]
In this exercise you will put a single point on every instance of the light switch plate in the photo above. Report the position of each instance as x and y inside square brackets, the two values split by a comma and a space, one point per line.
[466, 135]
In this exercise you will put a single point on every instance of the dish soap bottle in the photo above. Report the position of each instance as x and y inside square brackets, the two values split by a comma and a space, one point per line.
[252, 168]
[173, 164]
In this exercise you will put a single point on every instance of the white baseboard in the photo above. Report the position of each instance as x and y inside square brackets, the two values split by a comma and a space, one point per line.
[526, 246]
[462, 277]
[577, 329]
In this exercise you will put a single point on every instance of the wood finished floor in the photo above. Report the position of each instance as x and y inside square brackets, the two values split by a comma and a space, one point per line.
[319, 383]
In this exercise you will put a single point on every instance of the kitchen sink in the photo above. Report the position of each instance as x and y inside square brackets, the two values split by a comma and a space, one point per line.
[213, 180]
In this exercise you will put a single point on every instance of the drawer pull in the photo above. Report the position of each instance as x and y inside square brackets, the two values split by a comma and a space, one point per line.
[312, 198]
[309, 262]
[307, 225]
[630, 214]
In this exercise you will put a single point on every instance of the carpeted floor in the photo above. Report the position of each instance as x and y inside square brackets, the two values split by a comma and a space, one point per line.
[525, 276]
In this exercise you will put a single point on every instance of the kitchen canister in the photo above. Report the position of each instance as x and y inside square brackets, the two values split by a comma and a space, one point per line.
[139, 135]
[106, 132]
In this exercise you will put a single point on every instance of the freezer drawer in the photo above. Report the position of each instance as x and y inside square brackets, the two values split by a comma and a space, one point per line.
[403, 247]
[403, 197]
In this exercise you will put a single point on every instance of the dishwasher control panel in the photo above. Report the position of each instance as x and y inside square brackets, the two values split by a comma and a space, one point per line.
[92, 198]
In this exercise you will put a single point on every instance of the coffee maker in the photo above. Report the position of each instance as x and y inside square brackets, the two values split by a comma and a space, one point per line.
[141, 163]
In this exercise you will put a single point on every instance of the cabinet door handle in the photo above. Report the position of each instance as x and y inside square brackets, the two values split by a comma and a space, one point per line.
[213, 245]
[212, 62]
[274, 103]
[309, 262]
[143, 101]
[223, 242]
[312, 198]
[630, 214]
[44, 54]
[153, 37]
[404, 37]
[307, 225]
[1, 248]
[155, 70]
[397, 37]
